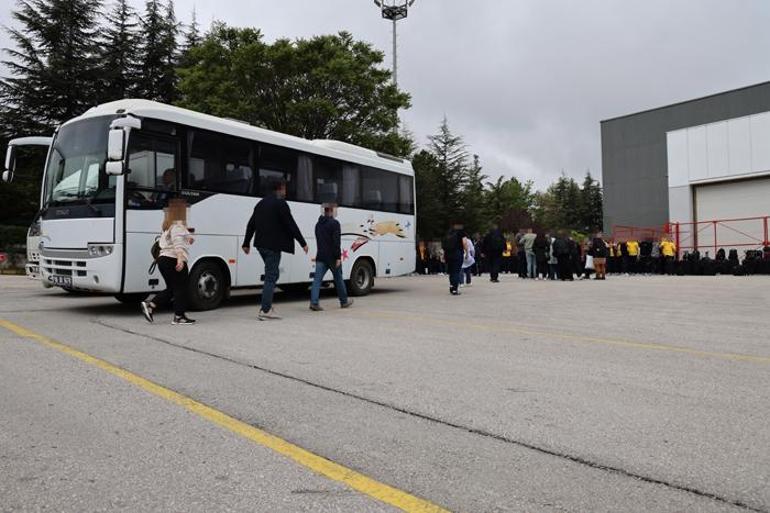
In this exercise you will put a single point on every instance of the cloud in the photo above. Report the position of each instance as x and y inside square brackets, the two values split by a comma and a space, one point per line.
[527, 82]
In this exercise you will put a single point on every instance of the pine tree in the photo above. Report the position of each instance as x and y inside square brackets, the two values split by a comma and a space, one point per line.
[169, 80]
[192, 39]
[452, 160]
[118, 55]
[473, 198]
[591, 204]
[157, 53]
[431, 215]
[52, 69]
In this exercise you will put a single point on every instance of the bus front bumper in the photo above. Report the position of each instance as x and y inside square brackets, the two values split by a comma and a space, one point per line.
[75, 269]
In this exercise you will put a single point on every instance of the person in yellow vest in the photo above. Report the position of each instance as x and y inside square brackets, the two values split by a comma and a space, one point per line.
[507, 254]
[422, 257]
[633, 256]
[668, 252]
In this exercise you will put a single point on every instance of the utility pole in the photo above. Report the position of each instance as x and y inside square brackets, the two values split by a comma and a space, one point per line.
[394, 10]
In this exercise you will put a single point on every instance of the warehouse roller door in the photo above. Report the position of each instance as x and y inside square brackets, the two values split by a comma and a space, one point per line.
[725, 202]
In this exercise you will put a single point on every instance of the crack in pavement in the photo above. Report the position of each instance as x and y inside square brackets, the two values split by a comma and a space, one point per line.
[480, 432]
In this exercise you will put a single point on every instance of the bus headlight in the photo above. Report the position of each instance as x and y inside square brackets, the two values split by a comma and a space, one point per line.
[99, 250]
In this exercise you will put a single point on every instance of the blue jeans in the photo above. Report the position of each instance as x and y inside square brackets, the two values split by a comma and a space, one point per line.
[272, 260]
[339, 283]
[531, 264]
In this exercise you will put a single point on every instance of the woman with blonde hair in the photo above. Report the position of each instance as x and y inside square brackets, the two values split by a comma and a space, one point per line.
[172, 263]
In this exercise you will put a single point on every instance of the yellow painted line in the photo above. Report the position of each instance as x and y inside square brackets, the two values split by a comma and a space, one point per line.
[359, 482]
[494, 327]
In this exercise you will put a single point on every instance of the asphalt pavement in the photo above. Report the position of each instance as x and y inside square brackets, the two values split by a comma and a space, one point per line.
[635, 394]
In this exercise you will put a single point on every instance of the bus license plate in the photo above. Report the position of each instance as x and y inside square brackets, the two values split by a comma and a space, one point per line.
[61, 281]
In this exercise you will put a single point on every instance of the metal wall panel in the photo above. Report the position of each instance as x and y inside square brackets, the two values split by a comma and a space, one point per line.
[739, 146]
[635, 159]
[760, 143]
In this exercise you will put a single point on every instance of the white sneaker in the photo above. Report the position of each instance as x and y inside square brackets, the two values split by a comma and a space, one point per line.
[268, 316]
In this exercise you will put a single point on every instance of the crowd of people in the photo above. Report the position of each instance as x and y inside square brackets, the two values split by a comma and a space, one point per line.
[540, 256]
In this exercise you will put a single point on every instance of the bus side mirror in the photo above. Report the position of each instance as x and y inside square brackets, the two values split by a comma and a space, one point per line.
[116, 144]
[115, 151]
[114, 168]
[10, 164]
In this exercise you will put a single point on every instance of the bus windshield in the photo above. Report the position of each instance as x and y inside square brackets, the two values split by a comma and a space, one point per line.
[75, 172]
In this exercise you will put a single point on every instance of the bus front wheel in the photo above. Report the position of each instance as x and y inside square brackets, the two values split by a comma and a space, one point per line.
[207, 285]
[361, 278]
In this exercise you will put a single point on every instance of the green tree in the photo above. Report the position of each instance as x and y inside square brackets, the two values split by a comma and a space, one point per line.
[325, 87]
[192, 39]
[591, 204]
[51, 71]
[452, 171]
[431, 214]
[117, 56]
[508, 202]
[473, 198]
[50, 78]
[567, 205]
[158, 53]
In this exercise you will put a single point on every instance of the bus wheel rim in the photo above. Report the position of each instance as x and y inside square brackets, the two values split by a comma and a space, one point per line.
[208, 285]
[362, 278]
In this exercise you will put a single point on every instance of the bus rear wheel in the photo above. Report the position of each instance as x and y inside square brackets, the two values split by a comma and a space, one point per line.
[207, 286]
[128, 299]
[361, 278]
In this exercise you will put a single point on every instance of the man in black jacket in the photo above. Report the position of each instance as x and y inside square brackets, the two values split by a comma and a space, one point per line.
[328, 258]
[454, 252]
[562, 252]
[494, 245]
[274, 231]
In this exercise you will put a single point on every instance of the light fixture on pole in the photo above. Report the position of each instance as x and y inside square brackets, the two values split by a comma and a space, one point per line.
[394, 10]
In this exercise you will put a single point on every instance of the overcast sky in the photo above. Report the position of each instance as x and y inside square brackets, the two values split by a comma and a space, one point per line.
[526, 82]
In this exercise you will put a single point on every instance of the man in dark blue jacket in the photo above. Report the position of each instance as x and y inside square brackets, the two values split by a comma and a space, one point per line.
[274, 231]
[328, 258]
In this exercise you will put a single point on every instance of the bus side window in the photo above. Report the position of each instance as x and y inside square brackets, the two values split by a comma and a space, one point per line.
[328, 180]
[351, 185]
[152, 165]
[277, 164]
[238, 175]
[380, 190]
[204, 164]
[405, 195]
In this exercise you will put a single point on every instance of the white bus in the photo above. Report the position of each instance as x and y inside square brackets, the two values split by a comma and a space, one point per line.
[111, 171]
[32, 267]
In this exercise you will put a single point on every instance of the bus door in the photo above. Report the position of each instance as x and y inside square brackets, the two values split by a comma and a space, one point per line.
[152, 179]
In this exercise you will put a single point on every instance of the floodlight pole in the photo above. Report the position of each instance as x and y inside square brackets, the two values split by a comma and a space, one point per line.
[393, 11]
[395, 55]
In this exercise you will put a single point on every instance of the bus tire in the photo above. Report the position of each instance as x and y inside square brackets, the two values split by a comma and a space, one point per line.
[361, 278]
[207, 286]
[128, 299]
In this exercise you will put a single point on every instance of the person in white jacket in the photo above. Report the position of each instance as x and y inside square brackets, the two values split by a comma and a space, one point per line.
[469, 259]
[172, 264]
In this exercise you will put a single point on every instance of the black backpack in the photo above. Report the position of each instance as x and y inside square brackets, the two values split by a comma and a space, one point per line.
[155, 252]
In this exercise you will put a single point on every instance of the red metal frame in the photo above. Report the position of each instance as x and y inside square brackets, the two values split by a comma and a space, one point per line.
[744, 232]
[747, 232]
